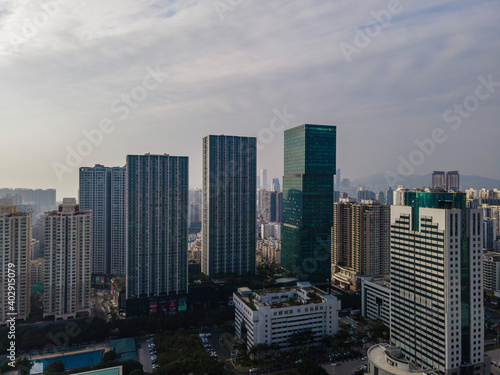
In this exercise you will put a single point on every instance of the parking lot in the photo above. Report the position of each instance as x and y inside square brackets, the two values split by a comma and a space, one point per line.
[143, 353]
[345, 368]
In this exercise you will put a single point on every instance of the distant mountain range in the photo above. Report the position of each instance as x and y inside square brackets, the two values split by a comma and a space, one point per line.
[377, 182]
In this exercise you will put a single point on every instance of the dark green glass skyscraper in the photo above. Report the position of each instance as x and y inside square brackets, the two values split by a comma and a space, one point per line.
[310, 167]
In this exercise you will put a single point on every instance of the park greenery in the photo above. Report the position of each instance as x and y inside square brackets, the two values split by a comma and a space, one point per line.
[182, 353]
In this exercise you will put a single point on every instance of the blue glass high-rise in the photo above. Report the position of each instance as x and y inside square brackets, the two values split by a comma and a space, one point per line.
[308, 192]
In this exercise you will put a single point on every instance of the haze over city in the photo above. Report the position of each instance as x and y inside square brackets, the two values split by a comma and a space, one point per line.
[385, 73]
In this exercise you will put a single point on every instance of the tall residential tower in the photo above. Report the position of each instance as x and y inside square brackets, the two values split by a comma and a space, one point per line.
[229, 205]
[157, 219]
[102, 190]
[15, 243]
[68, 259]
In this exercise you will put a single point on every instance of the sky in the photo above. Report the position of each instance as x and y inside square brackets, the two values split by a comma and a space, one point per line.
[411, 86]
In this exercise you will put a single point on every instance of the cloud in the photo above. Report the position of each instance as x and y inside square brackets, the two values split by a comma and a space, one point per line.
[227, 77]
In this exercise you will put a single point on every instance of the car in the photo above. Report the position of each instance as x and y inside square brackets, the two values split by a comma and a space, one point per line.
[336, 364]
[364, 358]
[298, 361]
[252, 371]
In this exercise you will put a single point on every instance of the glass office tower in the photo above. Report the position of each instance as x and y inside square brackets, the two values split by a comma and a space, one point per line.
[310, 167]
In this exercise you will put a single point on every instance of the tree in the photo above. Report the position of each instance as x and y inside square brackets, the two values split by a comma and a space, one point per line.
[308, 367]
[56, 367]
[109, 356]
[23, 365]
[131, 365]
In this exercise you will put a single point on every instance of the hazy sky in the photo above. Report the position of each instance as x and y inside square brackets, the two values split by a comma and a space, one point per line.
[158, 76]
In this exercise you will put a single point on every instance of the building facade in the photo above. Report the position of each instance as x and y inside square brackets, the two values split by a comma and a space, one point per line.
[437, 316]
[360, 241]
[194, 210]
[229, 205]
[15, 249]
[37, 271]
[276, 185]
[376, 299]
[308, 192]
[270, 230]
[269, 200]
[452, 181]
[439, 180]
[41, 199]
[67, 260]
[272, 317]
[269, 250]
[102, 191]
[157, 215]
[491, 266]
[263, 179]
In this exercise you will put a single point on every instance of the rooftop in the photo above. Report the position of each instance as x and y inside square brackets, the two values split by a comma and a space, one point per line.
[377, 355]
[302, 294]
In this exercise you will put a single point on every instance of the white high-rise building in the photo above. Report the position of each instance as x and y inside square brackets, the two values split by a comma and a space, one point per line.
[68, 259]
[437, 314]
[15, 246]
[399, 195]
[491, 266]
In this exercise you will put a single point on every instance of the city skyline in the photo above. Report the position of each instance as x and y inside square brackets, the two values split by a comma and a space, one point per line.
[426, 67]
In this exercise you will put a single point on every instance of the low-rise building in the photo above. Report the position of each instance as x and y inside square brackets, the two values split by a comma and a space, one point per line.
[273, 316]
[384, 359]
[376, 299]
[269, 250]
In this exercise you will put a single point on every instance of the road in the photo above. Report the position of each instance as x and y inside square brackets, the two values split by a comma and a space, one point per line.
[223, 353]
[143, 354]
